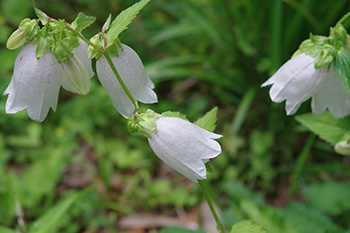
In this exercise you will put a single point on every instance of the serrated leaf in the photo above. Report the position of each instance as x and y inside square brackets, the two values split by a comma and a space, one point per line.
[82, 21]
[247, 226]
[51, 219]
[208, 120]
[341, 66]
[121, 22]
[174, 114]
[326, 126]
[44, 18]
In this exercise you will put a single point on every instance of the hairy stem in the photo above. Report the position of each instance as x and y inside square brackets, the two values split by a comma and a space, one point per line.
[109, 60]
[204, 188]
[345, 17]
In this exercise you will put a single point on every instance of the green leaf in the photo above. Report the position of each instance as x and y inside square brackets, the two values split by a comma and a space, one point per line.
[82, 21]
[326, 126]
[50, 221]
[330, 197]
[6, 230]
[208, 120]
[247, 226]
[341, 66]
[121, 22]
[44, 18]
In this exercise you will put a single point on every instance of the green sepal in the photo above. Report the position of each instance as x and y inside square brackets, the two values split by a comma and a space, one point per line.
[208, 121]
[148, 120]
[174, 114]
[113, 50]
[318, 40]
[143, 123]
[341, 66]
[324, 58]
[59, 50]
[24, 23]
[74, 41]
[92, 52]
[340, 34]
[121, 22]
[82, 21]
[343, 147]
[42, 42]
[107, 23]
[31, 30]
[44, 18]
[306, 45]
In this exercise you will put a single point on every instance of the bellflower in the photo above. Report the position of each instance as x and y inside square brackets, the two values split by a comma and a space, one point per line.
[36, 82]
[133, 74]
[298, 80]
[184, 146]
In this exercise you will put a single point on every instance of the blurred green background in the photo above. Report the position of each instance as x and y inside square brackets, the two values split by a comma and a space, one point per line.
[200, 54]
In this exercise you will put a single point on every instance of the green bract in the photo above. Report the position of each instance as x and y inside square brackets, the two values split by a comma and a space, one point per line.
[110, 31]
[325, 49]
[55, 35]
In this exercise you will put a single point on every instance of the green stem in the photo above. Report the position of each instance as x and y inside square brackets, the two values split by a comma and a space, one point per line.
[345, 17]
[300, 166]
[109, 60]
[204, 188]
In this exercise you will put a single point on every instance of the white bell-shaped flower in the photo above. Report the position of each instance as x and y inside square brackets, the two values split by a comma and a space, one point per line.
[133, 74]
[298, 80]
[35, 82]
[184, 146]
[77, 70]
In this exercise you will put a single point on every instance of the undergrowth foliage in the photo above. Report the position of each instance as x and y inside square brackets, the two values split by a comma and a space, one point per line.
[80, 170]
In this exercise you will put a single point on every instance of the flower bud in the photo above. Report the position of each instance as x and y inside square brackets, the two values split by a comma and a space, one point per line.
[343, 147]
[76, 78]
[17, 39]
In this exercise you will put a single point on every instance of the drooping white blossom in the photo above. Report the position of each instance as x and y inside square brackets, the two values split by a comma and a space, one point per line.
[133, 74]
[298, 80]
[184, 146]
[35, 82]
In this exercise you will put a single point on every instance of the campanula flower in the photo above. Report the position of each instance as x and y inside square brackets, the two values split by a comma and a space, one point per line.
[36, 82]
[184, 146]
[133, 74]
[298, 80]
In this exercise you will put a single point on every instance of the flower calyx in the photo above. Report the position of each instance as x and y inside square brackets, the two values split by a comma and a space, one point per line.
[143, 123]
[324, 49]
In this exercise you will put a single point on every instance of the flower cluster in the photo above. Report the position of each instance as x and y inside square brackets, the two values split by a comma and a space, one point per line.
[298, 80]
[53, 57]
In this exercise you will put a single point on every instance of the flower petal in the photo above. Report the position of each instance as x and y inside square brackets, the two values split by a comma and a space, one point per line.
[133, 74]
[184, 146]
[296, 81]
[34, 85]
[76, 78]
[81, 53]
[331, 95]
